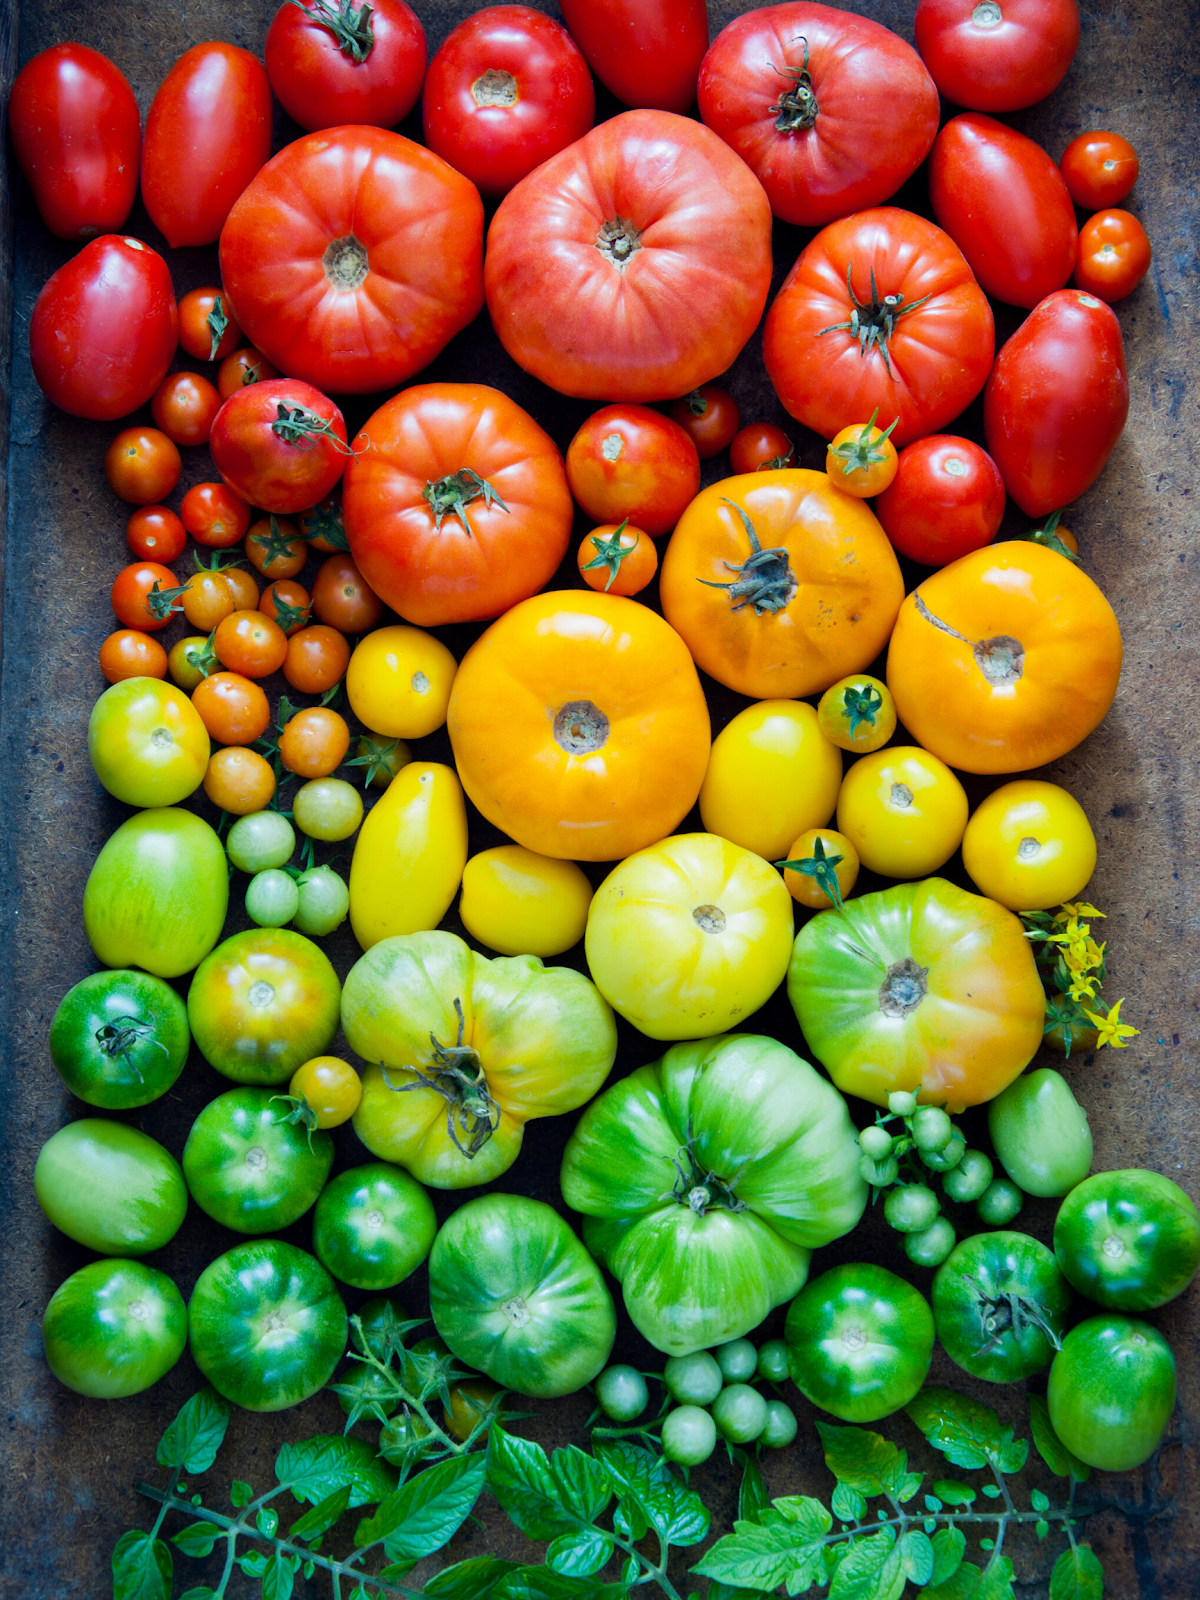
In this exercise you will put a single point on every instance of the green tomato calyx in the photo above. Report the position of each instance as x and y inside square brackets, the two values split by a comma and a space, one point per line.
[216, 322]
[766, 580]
[299, 1112]
[1002, 1314]
[796, 109]
[905, 986]
[451, 495]
[821, 867]
[610, 553]
[873, 322]
[860, 453]
[119, 1040]
[699, 1189]
[298, 426]
[1047, 536]
[458, 1076]
[859, 706]
[352, 29]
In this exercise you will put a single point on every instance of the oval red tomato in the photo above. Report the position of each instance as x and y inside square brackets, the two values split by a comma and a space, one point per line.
[280, 445]
[946, 499]
[997, 55]
[331, 64]
[646, 52]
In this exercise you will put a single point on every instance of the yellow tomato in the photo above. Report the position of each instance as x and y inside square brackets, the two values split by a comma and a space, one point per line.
[523, 904]
[409, 854]
[903, 810]
[771, 774]
[857, 714]
[1030, 846]
[398, 682]
[805, 887]
[688, 938]
[331, 1088]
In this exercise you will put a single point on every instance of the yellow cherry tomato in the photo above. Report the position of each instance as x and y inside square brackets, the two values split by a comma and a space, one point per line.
[470, 1403]
[837, 856]
[857, 714]
[409, 855]
[398, 682]
[331, 1088]
[771, 773]
[862, 460]
[903, 810]
[1030, 846]
[522, 904]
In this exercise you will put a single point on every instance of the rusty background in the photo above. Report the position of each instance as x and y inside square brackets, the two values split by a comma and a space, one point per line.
[69, 1464]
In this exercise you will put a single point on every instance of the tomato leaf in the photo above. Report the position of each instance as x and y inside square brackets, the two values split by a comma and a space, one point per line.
[726, 1591]
[583, 1483]
[240, 1494]
[847, 1504]
[1050, 1447]
[580, 1554]
[193, 1439]
[253, 1563]
[201, 1592]
[317, 1467]
[519, 1475]
[141, 1568]
[960, 1585]
[996, 1582]
[650, 1494]
[278, 1578]
[540, 1583]
[322, 1516]
[197, 1539]
[1077, 1575]
[421, 1515]
[870, 1570]
[916, 1557]
[865, 1462]
[762, 1556]
[954, 1494]
[949, 1546]
[752, 1492]
[967, 1433]
[475, 1579]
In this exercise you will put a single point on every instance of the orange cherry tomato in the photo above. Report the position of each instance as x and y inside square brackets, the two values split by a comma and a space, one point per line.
[761, 447]
[1114, 255]
[617, 560]
[323, 526]
[314, 742]
[242, 367]
[239, 780]
[629, 461]
[214, 515]
[287, 603]
[250, 643]
[836, 862]
[1099, 169]
[234, 710]
[206, 330]
[276, 547]
[243, 588]
[183, 406]
[317, 658]
[155, 534]
[207, 598]
[710, 418]
[332, 1088]
[131, 592]
[343, 598]
[862, 460]
[129, 653]
[142, 465]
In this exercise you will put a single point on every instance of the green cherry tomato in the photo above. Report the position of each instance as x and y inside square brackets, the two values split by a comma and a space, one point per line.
[381, 1319]
[931, 1246]
[147, 743]
[369, 1387]
[119, 1039]
[689, 1436]
[740, 1413]
[781, 1425]
[114, 1328]
[772, 1364]
[859, 1341]
[266, 1325]
[948, 1156]
[272, 898]
[694, 1380]
[404, 1439]
[969, 1179]
[621, 1393]
[373, 1226]
[999, 1203]
[910, 1208]
[1041, 1134]
[110, 1187]
[931, 1128]
[260, 840]
[327, 808]
[251, 1169]
[857, 714]
[1128, 1240]
[324, 901]
[876, 1142]
[737, 1360]
[1111, 1392]
[1000, 1305]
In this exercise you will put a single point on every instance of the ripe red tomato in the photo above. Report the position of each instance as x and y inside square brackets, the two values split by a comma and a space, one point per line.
[242, 368]
[214, 515]
[506, 91]
[710, 418]
[208, 132]
[761, 447]
[129, 653]
[206, 330]
[1114, 255]
[1100, 169]
[342, 597]
[629, 461]
[353, 257]
[155, 534]
[946, 499]
[633, 265]
[332, 62]
[280, 445]
[646, 52]
[77, 137]
[997, 55]
[184, 406]
[104, 329]
[1004, 203]
[923, 363]
[142, 465]
[130, 596]
[287, 603]
[1056, 401]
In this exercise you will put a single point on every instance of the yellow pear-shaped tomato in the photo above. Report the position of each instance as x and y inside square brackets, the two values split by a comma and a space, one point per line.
[409, 854]
[772, 773]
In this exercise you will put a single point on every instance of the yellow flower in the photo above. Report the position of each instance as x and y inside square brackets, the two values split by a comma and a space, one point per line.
[1110, 1028]
[1079, 909]
[1084, 955]
[1082, 987]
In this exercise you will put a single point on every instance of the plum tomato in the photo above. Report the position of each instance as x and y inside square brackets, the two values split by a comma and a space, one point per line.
[903, 810]
[630, 461]
[155, 534]
[991, 56]
[183, 406]
[314, 742]
[373, 1226]
[142, 465]
[1111, 1392]
[332, 62]
[276, 548]
[1030, 846]
[290, 605]
[1114, 255]
[857, 714]
[1100, 169]
[119, 1039]
[317, 658]
[946, 499]
[244, 367]
[130, 654]
[110, 1187]
[861, 459]
[330, 1086]
[343, 598]
[114, 1328]
[1128, 1240]
[617, 559]
[1040, 1133]
[710, 418]
[399, 680]
[238, 780]
[280, 444]
[232, 708]
[248, 1163]
[147, 743]
[250, 643]
[520, 903]
[206, 330]
[810, 874]
[214, 515]
[771, 774]
[761, 447]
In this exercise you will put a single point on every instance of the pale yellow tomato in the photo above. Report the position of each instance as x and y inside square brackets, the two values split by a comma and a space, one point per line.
[857, 714]
[1030, 846]
[409, 855]
[330, 1087]
[523, 904]
[771, 774]
[903, 810]
[398, 682]
[805, 883]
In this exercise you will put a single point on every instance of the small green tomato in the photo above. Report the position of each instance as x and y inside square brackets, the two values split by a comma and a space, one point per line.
[999, 1203]
[260, 840]
[621, 1393]
[781, 1424]
[272, 898]
[879, 1173]
[327, 808]
[693, 1380]
[970, 1178]
[875, 1142]
[931, 1246]
[689, 1436]
[942, 1160]
[911, 1208]
[740, 1413]
[324, 901]
[902, 1103]
[931, 1128]
[772, 1361]
[737, 1360]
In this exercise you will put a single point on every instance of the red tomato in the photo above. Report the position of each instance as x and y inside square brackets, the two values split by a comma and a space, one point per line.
[207, 133]
[1100, 169]
[1004, 203]
[214, 515]
[710, 418]
[925, 370]
[343, 599]
[142, 465]
[1056, 401]
[506, 91]
[280, 445]
[997, 55]
[946, 499]
[243, 368]
[353, 257]
[131, 592]
[184, 406]
[646, 52]
[831, 111]
[77, 137]
[346, 63]
[155, 534]
[129, 653]
[761, 447]
[633, 265]
[1114, 255]
[104, 329]
[629, 461]
[206, 330]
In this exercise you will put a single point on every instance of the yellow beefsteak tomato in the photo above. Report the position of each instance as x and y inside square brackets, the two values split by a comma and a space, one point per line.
[409, 855]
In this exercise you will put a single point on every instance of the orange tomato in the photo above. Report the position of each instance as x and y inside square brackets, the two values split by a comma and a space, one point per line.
[234, 710]
[238, 780]
[861, 459]
[317, 658]
[617, 559]
[142, 465]
[1113, 255]
[836, 862]
[250, 643]
[243, 588]
[287, 603]
[242, 367]
[129, 653]
[343, 598]
[205, 329]
[183, 406]
[276, 548]
[155, 534]
[314, 742]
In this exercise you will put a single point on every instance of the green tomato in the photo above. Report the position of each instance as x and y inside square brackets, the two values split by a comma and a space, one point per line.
[931, 1128]
[272, 898]
[931, 1246]
[878, 1173]
[859, 1341]
[947, 1157]
[740, 1413]
[251, 1169]
[999, 1203]
[1111, 1392]
[404, 1439]
[367, 1386]
[772, 1364]
[1000, 1305]
[694, 1379]
[114, 1328]
[147, 743]
[266, 1325]
[324, 901]
[1041, 1134]
[969, 1179]
[737, 1360]
[157, 894]
[381, 1318]
[910, 1208]
[373, 1226]
[1129, 1240]
[260, 840]
[689, 1436]
[621, 1393]
[110, 1187]
[781, 1426]
[876, 1142]
[327, 808]
[515, 1294]
[119, 1039]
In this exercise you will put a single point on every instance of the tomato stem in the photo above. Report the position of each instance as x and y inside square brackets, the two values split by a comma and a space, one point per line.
[451, 495]
[796, 108]
[865, 450]
[216, 322]
[767, 581]
[610, 554]
[873, 321]
[1047, 537]
[821, 867]
[458, 1076]
[352, 29]
[301, 427]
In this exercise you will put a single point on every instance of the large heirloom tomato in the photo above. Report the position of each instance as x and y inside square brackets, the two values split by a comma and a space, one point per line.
[880, 311]
[465, 1050]
[779, 583]
[1004, 660]
[993, 56]
[831, 111]
[353, 257]
[341, 63]
[646, 52]
[280, 445]
[707, 1179]
[921, 987]
[633, 265]
[456, 503]
[599, 698]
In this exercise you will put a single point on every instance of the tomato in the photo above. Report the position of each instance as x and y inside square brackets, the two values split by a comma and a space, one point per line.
[645, 52]
[601, 699]
[859, 1341]
[136, 592]
[456, 503]
[519, 903]
[710, 418]
[1114, 255]
[373, 1226]
[1128, 1240]
[142, 465]
[1040, 1134]
[689, 1436]
[382, 759]
[208, 131]
[183, 406]
[332, 63]
[119, 1040]
[831, 110]
[1112, 1391]
[266, 1326]
[232, 708]
[621, 1393]
[279, 445]
[1004, 660]
[506, 90]
[778, 584]
[251, 1167]
[275, 547]
[998, 55]
[903, 810]
[114, 1328]
[807, 873]
[206, 331]
[465, 1050]
[239, 781]
[617, 559]
[324, 901]
[243, 368]
[314, 742]
[146, 743]
[857, 714]
[761, 447]
[266, 839]
[1030, 846]
[317, 657]
[206, 599]
[214, 515]
[290, 605]
[331, 1088]
[342, 597]
[250, 643]
[922, 988]
[470, 1403]
[946, 499]
[110, 1187]
[629, 461]
[740, 1413]
[694, 1379]
[1000, 1305]
[322, 525]
[155, 534]
[772, 773]
[634, 265]
[862, 461]
[1100, 169]
[409, 855]
[130, 654]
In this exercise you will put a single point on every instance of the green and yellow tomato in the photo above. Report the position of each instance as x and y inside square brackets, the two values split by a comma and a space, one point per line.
[251, 1167]
[119, 1039]
[772, 773]
[1000, 1305]
[147, 743]
[114, 1328]
[373, 1226]
[1040, 1133]
[110, 1187]
[1111, 1392]
[1129, 1240]
[706, 1179]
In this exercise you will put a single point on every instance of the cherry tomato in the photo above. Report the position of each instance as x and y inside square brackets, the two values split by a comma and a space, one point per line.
[142, 465]
[946, 499]
[861, 459]
[129, 653]
[314, 742]
[250, 643]
[761, 447]
[214, 515]
[857, 714]
[207, 598]
[710, 418]
[281, 445]
[629, 461]
[324, 527]
[646, 52]
[183, 406]
[276, 547]
[343, 598]
[809, 880]
[242, 368]
[190, 661]
[617, 559]
[130, 592]
[903, 810]
[332, 62]
[1114, 255]
[381, 760]
[234, 710]
[286, 603]
[155, 534]
[206, 330]
[1100, 169]
[997, 55]
[331, 1087]
[1030, 846]
[239, 780]
[317, 658]
[327, 808]
[243, 588]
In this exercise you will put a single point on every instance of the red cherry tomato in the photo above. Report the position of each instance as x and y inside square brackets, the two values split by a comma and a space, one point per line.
[343, 599]
[346, 63]
[629, 461]
[215, 515]
[1100, 169]
[184, 406]
[206, 330]
[946, 499]
[208, 132]
[155, 534]
[241, 369]
[281, 445]
[997, 55]
[761, 446]
[1114, 255]
[647, 52]
[77, 137]
[129, 653]
[710, 418]
[131, 592]
[142, 465]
